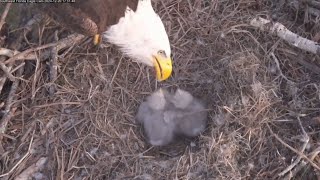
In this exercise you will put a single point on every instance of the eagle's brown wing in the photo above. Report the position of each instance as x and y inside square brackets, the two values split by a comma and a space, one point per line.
[88, 17]
[70, 17]
[105, 12]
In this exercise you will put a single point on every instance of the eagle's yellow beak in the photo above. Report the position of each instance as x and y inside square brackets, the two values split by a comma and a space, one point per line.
[96, 39]
[163, 67]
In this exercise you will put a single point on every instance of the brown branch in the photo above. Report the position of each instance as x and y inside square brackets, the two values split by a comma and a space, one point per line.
[24, 54]
[16, 45]
[273, 56]
[282, 32]
[313, 3]
[314, 153]
[9, 103]
[295, 171]
[294, 150]
[310, 66]
[302, 164]
[297, 161]
[53, 66]
[61, 44]
[314, 11]
[8, 53]
[4, 14]
[21, 160]
[6, 70]
[31, 170]
[3, 126]
[311, 8]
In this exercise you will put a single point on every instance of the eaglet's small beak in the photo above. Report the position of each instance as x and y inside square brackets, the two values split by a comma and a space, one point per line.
[163, 67]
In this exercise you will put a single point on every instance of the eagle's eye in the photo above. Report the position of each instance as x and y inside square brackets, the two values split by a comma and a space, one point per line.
[162, 53]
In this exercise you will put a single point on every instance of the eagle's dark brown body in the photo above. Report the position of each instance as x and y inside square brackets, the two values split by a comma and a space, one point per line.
[88, 17]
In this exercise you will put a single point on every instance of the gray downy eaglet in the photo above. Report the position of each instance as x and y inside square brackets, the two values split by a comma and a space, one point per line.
[165, 115]
[151, 114]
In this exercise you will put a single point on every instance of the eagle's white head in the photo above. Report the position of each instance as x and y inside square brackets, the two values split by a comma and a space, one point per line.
[142, 36]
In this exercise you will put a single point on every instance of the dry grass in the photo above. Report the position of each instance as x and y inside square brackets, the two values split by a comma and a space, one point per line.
[87, 129]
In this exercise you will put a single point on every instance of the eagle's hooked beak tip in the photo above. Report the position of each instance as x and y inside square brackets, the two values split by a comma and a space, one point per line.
[163, 67]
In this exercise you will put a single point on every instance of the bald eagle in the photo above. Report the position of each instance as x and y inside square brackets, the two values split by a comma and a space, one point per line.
[132, 25]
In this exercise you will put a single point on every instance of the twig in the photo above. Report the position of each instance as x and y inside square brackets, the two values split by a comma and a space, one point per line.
[297, 161]
[53, 66]
[16, 45]
[282, 32]
[314, 11]
[35, 78]
[20, 161]
[292, 174]
[294, 150]
[302, 164]
[6, 70]
[300, 59]
[31, 170]
[35, 19]
[313, 3]
[10, 100]
[4, 14]
[4, 78]
[2, 21]
[9, 111]
[12, 94]
[3, 126]
[314, 153]
[16, 68]
[26, 53]
[61, 44]
[306, 137]
[312, 8]
[273, 56]
[7, 52]
[292, 165]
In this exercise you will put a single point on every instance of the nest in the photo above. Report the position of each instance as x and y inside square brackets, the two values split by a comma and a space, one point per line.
[68, 108]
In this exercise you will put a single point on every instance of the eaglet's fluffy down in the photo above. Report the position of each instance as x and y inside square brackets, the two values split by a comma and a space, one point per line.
[165, 115]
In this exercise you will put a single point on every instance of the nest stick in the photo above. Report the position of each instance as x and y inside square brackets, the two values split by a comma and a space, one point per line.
[4, 15]
[294, 171]
[302, 164]
[313, 3]
[6, 70]
[7, 52]
[292, 166]
[31, 170]
[314, 11]
[29, 54]
[3, 126]
[53, 66]
[273, 56]
[14, 45]
[294, 150]
[297, 161]
[300, 59]
[312, 8]
[20, 161]
[282, 32]
[9, 111]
